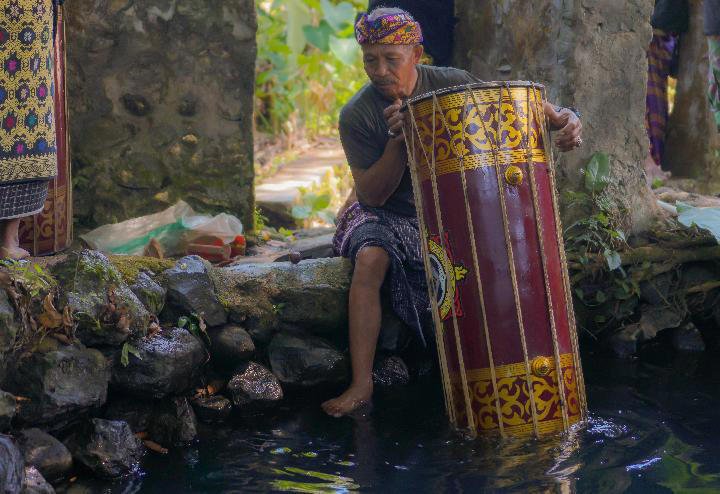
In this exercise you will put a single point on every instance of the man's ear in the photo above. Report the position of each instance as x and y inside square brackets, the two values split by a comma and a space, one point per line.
[418, 51]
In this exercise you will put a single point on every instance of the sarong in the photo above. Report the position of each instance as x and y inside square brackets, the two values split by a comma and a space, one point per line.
[660, 60]
[27, 110]
[362, 226]
[714, 77]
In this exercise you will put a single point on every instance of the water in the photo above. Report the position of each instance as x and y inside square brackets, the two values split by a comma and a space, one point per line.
[653, 428]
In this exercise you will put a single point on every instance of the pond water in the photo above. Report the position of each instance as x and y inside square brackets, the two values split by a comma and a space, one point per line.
[654, 428]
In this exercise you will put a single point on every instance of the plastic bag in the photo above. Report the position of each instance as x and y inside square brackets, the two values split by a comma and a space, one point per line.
[173, 228]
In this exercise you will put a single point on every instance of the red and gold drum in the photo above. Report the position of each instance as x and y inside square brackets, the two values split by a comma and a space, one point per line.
[485, 193]
[50, 231]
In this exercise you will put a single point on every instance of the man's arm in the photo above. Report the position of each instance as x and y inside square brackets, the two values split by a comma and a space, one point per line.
[376, 184]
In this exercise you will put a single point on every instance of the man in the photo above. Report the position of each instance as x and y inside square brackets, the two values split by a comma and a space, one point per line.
[379, 232]
[712, 30]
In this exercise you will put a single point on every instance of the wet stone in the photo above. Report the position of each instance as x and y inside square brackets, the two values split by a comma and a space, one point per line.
[35, 483]
[254, 386]
[12, 466]
[150, 293]
[305, 360]
[174, 423]
[688, 338]
[7, 409]
[391, 371]
[44, 452]
[211, 409]
[191, 291]
[231, 345]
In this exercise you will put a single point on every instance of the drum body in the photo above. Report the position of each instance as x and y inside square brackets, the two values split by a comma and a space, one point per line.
[497, 276]
[50, 231]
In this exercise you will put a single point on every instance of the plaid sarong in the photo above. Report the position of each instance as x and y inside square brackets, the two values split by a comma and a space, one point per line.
[714, 77]
[362, 226]
[660, 59]
[22, 198]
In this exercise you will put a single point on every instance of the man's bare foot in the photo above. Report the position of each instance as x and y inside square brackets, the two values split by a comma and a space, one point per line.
[15, 253]
[353, 398]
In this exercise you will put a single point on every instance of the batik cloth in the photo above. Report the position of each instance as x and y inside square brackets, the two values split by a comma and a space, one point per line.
[363, 226]
[660, 60]
[714, 77]
[391, 29]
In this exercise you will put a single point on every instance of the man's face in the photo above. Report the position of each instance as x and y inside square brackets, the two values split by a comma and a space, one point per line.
[391, 68]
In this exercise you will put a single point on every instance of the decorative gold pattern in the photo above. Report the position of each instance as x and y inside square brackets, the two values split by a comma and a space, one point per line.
[541, 366]
[514, 175]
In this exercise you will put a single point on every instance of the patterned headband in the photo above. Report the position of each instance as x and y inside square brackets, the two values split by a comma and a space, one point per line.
[391, 29]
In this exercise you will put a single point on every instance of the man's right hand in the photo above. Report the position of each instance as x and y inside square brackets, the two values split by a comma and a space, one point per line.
[395, 120]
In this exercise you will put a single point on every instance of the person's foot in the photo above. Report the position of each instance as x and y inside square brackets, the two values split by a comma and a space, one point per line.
[14, 253]
[353, 398]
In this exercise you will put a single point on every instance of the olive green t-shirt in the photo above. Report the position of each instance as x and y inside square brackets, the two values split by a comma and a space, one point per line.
[363, 129]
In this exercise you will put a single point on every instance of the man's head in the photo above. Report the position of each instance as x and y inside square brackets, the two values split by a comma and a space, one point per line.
[391, 44]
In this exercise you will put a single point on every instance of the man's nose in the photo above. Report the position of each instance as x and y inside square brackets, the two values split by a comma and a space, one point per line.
[382, 69]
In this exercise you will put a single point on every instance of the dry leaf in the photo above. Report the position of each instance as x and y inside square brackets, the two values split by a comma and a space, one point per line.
[50, 318]
[154, 249]
[123, 323]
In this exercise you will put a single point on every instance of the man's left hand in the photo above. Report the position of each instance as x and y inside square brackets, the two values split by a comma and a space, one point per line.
[569, 135]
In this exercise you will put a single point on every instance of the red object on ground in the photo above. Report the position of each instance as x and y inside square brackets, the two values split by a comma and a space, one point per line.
[238, 246]
[213, 253]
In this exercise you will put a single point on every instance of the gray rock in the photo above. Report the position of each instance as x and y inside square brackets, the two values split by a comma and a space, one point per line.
[169, 362]
[231, 345]
[391, 371]
[150, 293]
[306, 360]
[107, 447]
[174, 423]
[212, 408]
[44, 452]
[656, 291]
[7, 409]
[35, 483]
[254, 386]
[190, 290]
[106, 310]
[9, 328]
[61, 384]
[624, 343]
[12, 466]
[137, 413]
[310, 248]
[688, 338]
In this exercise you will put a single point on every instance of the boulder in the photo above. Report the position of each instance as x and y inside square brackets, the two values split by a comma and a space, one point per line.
[7, 410]
[9, 328]
[174, 423]
[106, 310]
[107, 447]
[311, 295]
[624, 343]
[44, 452]
[211, 409]
[61, 384]
[305, 360]
[168, 363]
[137, 413]
[230, 345]
[150, 293]
[35, 483]
[253, 386]
[191, 291]
[391, 371]
[687, 338]
[12, 466]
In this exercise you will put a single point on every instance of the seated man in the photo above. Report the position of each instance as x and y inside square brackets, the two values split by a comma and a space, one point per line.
[379, 232]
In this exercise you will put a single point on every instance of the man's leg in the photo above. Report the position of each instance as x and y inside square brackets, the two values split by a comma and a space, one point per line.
[9, 240]
[365, 313]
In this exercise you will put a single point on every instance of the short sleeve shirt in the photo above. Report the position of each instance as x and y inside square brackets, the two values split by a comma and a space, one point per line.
[363, 129]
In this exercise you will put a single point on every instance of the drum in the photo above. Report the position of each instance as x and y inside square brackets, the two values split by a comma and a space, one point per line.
[51, 230]
[496, 270]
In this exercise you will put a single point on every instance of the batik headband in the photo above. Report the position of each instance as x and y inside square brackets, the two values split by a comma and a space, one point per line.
[391, 29]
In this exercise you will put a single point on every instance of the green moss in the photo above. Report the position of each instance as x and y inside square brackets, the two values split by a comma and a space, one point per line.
[130, 266]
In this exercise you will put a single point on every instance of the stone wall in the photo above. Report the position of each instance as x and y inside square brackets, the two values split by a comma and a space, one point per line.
[160, 105]
[590, 55]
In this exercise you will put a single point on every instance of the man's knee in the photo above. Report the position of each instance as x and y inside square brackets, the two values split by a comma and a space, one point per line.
[371, 264]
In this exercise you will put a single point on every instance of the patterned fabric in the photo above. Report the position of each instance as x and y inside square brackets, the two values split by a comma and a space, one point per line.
[714, 77]
[362, 226]
[22, 199]
[660, 59]
[27, 123]
[393, 29]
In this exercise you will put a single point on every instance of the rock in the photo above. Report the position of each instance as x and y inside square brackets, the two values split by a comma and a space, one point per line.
[137, 413]
[688, 338]
[311, 296]
[35, 483]
[151, 294]
[44, 452]
[230, 345]
[653, 320]
[190, 290]
[656, 291]
[9, 328]
[61, 385]
[310, 248]
[12, 466]
[106, 310]
[136, 104]
[306, 360]
[391, 371]
[7, 410]
[624, 343]
[174, 423]
[107, 447]
[254, 386]
[212, 408]
[169, 362]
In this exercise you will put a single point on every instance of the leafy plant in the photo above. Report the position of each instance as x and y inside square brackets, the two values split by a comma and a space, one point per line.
[259, 220]
[195, 325]
[312, 206]
[128, 349]
[31, 275]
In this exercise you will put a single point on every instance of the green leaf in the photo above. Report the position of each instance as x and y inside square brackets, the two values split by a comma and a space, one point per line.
[579, 292]
[338, 16]
[301, 212]
[597, 173]
[600, 297]
[124, 359]
[134, 351]
[321, 202]
[182, 322]
[613, 259]
[346, 50]
[319, 36]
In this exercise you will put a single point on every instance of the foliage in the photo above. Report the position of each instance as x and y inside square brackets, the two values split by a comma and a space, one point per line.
[195, 325]
[32, 275]
[260, 221]
[308, 64]
[319, 202]
[128, 349]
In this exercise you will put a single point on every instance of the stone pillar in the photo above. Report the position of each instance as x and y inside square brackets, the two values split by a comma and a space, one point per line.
[692, 137]
[590, 55]
[160, 96]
